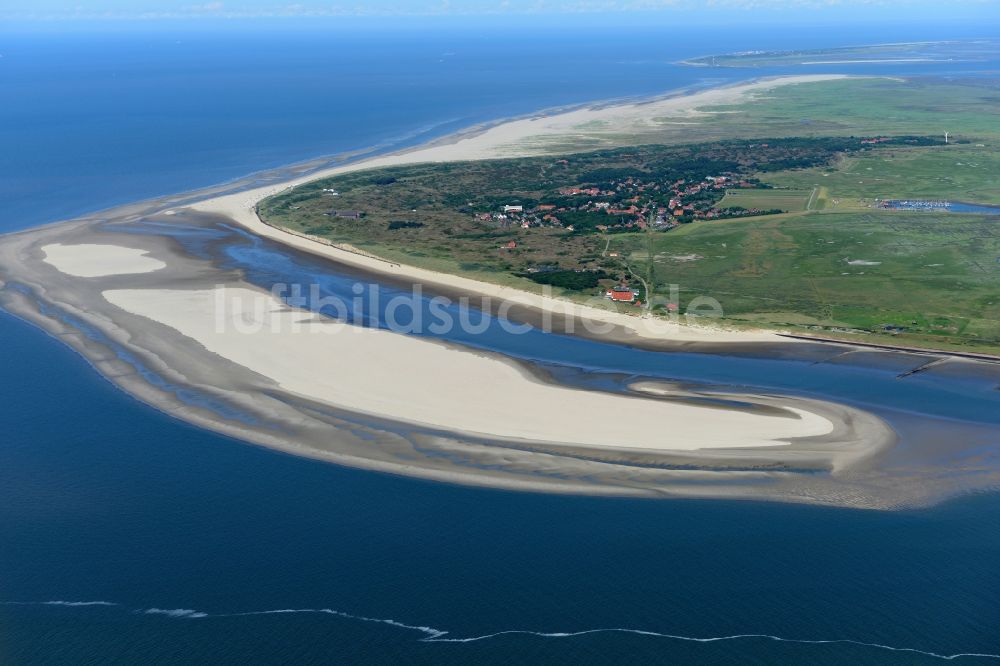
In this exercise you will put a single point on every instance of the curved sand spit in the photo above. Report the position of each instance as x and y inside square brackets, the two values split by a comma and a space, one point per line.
[430, 384]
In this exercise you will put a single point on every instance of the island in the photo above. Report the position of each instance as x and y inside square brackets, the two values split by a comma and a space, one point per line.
[513, 306]
[895, 53]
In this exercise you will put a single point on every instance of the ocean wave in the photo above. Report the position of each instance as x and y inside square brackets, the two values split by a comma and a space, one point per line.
[173, 612]
[58, 603]
[433, 635]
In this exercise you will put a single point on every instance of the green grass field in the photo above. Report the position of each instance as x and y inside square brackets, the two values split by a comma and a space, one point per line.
[791, 200]
[935, 275]
[968, 109]
[865, 107]
[967, 172]
[846, 266]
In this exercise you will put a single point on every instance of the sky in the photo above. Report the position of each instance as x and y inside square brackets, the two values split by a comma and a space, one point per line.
[728, 11]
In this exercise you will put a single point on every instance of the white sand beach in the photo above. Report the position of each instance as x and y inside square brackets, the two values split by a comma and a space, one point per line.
[421, 382]
[89, 260]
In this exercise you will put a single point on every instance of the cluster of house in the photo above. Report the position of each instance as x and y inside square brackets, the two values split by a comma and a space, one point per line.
[698, 206]
[632, 204]
[628, 210]
[516, 216]
[637, 203]
[876, 140]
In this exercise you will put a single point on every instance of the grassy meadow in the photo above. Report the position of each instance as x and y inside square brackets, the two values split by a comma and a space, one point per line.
[844, 266]
[959, 172]
[936, 276]
[968, 110]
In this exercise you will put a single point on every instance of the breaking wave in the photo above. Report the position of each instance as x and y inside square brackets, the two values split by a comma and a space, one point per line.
[58, 603]
[173, 612]
[433, 635]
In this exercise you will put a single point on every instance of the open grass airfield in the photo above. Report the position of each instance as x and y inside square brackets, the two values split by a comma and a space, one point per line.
[785, 199]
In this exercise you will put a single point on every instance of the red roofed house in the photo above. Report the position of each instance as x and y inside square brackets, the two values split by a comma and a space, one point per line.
[621, 294]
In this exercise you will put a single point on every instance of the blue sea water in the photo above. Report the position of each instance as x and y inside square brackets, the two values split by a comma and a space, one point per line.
[185, 545]
[90, 120]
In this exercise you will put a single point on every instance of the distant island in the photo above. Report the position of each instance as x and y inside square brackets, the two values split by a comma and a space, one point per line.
[944, 51]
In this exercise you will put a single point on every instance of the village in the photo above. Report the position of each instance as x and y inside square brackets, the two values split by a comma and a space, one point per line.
[554, 220]
[629, 204]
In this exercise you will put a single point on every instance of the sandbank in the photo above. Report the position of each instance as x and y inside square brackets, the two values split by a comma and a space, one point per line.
[426, 383]
[89, 260]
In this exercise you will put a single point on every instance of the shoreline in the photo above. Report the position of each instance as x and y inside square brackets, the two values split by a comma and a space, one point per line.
[311, 167]
[307, 413]
[478, 143]
[842, 438]
[976, 356]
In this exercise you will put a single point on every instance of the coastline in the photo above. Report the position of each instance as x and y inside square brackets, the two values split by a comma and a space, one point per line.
[308, 419]
[848, 467]
[517, 137]
[127, 348]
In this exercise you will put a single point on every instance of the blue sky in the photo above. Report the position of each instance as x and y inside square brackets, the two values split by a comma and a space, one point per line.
[727, 10]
